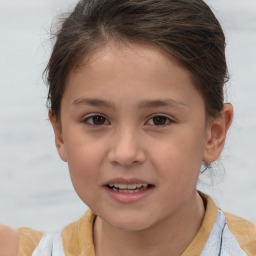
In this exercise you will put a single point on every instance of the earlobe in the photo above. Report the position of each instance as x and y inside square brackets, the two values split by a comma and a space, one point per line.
[58, 136]
[216, 134]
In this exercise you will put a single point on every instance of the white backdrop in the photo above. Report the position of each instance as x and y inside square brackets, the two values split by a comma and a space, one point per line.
[35, 189]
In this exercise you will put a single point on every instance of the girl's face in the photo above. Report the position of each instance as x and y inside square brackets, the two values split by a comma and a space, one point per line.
[134, 134]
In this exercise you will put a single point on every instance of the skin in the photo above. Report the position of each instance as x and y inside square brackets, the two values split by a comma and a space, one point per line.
[9, 241]
[127, 87]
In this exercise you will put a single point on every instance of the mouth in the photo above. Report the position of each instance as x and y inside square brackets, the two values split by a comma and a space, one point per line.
[127, 191]
[129, 188]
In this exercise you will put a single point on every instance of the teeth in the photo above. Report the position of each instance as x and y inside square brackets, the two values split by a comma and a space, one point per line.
[124, 186]
[127, 190]
[131, 186]
[127, 186]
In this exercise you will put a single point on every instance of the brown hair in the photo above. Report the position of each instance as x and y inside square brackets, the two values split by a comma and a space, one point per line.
[186, 29]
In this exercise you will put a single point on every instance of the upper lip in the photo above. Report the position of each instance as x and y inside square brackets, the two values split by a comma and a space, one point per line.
[126, 181]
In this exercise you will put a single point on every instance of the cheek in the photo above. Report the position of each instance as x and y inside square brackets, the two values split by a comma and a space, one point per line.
[83, 173]
[84, 161]
[180, 157]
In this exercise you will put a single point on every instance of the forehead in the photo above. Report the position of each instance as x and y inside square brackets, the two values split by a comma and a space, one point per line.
[121, 57]
[135, 70]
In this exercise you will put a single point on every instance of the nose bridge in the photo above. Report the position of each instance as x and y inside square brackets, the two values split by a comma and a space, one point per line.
[126, 148]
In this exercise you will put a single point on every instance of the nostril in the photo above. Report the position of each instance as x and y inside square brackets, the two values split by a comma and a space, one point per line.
[126, 157]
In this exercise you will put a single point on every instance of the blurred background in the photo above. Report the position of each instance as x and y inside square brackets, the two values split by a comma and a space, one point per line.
[35, 189]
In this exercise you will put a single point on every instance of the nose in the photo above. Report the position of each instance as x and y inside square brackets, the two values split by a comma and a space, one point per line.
[126, 149]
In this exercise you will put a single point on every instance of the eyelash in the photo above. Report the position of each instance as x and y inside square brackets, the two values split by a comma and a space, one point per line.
[86, 120]
[167, 120]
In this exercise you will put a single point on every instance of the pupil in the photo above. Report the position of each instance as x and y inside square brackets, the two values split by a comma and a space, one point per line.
[159, 120]
[98, 120]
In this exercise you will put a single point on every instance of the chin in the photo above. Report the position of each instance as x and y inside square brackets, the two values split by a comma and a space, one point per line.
[129, 222]
[131, 226]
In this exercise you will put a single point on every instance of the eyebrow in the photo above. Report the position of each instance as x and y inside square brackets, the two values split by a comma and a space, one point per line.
[93, 102]
[144, 104]
[162, 103]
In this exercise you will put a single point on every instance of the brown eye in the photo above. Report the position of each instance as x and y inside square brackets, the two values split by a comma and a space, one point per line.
[159, 120]
[97, 120]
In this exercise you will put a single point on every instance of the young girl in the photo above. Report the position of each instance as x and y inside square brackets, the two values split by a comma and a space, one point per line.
[136, 104]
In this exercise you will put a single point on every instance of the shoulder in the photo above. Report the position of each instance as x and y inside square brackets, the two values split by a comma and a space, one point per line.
[244, 231]
[28, 240]
[9, 241]
[79, 235]
[18, 242]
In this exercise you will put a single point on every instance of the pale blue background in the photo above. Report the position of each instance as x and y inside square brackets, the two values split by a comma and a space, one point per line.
[35, 189]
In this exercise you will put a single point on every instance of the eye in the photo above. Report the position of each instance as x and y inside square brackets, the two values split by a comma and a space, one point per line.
[159, 120]
[96, 120]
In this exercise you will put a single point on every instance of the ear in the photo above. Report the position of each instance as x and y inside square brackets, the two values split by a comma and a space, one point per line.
[216, 134]
[58, 136]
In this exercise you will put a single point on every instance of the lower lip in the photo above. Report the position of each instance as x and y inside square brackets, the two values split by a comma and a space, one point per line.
[126, 198]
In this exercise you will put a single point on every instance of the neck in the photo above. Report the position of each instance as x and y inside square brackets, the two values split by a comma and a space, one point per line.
[171, 236]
